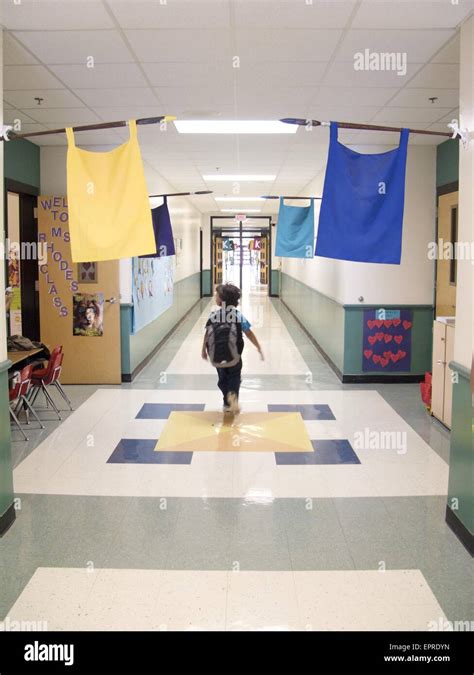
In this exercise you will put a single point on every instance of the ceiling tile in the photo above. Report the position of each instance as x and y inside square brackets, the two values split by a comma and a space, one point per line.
[418, 46]
[186, 45]
[420, 116]
[57, 117]
[76, 46]
[197, 98]
[343, 75]
[410, 14]
[52, 98]
[450, 53]
[290, 14]
[29, 77]
[357, 96]
[101, 76]
[173, 14]
[286, 44]
[437, 75]
[13, 116]
[54, 15]
[15, 54]
[108, 98]
[276, 74]
[197, 74]
[409, 97]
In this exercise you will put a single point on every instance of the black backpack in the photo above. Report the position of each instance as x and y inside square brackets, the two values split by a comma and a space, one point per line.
[224, 339]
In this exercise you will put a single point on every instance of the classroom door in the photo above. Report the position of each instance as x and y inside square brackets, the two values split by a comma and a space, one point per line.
[79, 303]
[446, 267]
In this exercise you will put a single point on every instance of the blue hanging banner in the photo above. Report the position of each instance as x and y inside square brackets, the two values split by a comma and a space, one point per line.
[163, 232]
[361, 213]
[295, 231]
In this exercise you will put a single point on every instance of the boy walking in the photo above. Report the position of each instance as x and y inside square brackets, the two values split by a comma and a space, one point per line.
[224, 343]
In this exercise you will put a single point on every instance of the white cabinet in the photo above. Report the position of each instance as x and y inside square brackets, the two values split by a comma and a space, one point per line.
[441, 384]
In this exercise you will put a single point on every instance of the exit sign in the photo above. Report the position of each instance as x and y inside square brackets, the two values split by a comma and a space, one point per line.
[240, 217]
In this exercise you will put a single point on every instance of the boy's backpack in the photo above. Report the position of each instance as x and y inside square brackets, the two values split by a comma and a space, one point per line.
[223, 340]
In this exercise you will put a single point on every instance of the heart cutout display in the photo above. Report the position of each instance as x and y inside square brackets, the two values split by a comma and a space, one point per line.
[370, 323]
[407, 324]
[387, 323]
[368, 353]
[372, 339]
[388, 338]
[398, 339]
[387, 355]
[379, 323]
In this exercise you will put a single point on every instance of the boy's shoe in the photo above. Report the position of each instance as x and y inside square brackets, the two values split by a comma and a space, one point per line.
[233, 402]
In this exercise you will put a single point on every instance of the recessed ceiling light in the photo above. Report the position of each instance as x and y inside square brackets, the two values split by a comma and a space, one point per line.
[240, 177]
[236, 210]
[234, 127]
[238, 199]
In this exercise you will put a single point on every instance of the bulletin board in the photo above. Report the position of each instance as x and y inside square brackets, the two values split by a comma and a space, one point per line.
[92, 354]
[152, 289]
[386, 345]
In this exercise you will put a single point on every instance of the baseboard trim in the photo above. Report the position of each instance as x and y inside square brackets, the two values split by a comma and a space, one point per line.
[314, 342]
[129, 377]
[380, 379]
[460, 530]
[7, 519]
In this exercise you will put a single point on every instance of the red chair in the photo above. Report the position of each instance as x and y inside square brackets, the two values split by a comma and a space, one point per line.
[44, 377]
[18, 397]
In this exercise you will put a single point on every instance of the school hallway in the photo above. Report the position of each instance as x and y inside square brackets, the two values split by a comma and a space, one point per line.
[320, 507]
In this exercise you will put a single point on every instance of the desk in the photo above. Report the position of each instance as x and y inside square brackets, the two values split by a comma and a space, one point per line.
[18, 357]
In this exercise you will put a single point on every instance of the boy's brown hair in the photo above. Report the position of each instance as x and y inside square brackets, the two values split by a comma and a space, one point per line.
[229, 294]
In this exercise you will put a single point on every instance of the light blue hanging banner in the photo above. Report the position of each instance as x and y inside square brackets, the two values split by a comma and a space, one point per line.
[295, 231]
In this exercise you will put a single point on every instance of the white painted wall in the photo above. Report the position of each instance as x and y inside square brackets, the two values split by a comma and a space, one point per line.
[185, 218]
[411, 282]
[463, 343]
[3, 318]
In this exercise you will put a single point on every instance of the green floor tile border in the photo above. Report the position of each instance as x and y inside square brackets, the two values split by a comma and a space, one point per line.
[7, 512]
[461, 464]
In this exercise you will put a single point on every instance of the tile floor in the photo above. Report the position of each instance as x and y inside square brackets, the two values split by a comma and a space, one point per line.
[114, 531]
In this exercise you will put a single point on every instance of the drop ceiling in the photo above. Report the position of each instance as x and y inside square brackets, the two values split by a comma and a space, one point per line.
[177, 57]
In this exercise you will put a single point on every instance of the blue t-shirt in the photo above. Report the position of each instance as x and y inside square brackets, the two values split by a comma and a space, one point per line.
[246, 325]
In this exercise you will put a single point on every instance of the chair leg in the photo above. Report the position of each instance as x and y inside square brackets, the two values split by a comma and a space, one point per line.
[48, 398]
[28, 406]
[59, 387]
[15, 419]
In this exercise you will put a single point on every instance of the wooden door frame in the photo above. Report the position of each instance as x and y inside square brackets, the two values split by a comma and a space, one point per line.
[440, 191]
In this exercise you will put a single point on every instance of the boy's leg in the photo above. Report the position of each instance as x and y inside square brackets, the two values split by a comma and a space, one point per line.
[222, 383]
[233, 383]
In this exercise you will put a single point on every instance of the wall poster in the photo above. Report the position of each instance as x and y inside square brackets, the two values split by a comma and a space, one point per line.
[152, 289]
[88, 314]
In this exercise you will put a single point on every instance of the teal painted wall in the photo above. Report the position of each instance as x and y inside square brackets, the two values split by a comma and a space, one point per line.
[322, 317]
[206, 282]
[6, 476]
[21, 162]
[421, 346]
[135, 348]
[275, 282]
[447, 162]
[461, 461]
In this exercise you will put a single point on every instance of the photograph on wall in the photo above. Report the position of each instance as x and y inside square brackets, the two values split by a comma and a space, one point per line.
[87, 272]
[386, 344]
[88, 314]
[152, 289]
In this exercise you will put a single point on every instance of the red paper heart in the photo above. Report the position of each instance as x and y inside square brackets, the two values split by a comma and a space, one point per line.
[402, 354]
[379, 323]
[387, 355]
[372, 339]
[376, 358]
[370, 323]
[383, 362]
[394, 357]
[379, 336]
[407, 325]
[387, 323]
[398, 339]
[388, 338]
[397, 322]
[368, 353]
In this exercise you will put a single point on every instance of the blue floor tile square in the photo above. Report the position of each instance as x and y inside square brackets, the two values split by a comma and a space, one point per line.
[161, 411]
[142, 451]
[325, 452]
[307, 412]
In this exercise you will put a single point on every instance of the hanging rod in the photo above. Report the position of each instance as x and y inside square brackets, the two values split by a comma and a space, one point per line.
[90, 127]
[184, 194]
[286, 197]
[367, 127]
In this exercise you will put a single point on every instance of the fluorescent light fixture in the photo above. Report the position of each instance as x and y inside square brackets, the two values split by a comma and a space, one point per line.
[240, 178]
[234, 127]
[237, 210]
[238, 199]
